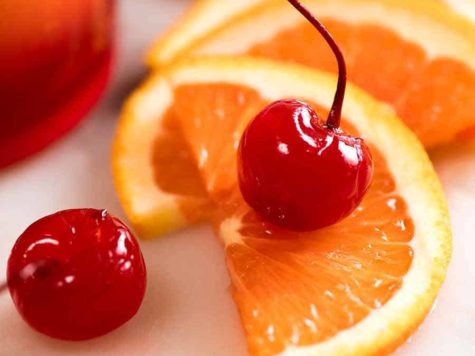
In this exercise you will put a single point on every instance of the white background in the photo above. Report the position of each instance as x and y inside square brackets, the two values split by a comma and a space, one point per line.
[188, 309]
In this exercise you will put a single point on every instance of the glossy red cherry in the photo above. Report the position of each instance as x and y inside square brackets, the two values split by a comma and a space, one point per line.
[76, 274]
[298, 171]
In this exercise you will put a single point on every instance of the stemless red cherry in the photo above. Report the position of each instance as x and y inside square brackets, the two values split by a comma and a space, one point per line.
[76, 274]
[297, 171]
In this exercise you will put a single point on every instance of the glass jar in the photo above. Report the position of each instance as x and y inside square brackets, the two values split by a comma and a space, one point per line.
[55, 60]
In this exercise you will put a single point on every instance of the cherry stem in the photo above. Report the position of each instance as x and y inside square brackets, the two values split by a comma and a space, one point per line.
[334, 117]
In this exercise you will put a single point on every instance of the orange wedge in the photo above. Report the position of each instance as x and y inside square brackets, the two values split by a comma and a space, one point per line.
[358, 287]
[415, 55]
[154, 172]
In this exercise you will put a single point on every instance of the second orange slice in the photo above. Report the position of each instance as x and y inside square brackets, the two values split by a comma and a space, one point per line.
[415, 55]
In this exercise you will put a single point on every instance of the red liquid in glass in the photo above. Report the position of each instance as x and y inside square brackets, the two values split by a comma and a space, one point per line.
[55, 59]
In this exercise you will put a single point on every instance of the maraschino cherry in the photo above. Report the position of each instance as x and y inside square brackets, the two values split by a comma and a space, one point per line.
[76, 274]
[297, 171]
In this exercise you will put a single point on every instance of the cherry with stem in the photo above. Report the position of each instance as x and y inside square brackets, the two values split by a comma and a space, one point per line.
[297, 171]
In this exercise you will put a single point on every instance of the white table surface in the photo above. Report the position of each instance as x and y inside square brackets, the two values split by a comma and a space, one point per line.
[188, 308]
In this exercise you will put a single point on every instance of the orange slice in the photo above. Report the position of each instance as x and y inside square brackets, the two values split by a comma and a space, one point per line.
[358, 287]
[415, 55]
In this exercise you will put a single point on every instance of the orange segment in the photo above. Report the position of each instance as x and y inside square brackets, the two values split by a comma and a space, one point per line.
[443, 94]
[171, 154]
[211, 116]
[368, 52]
[415, 56]
[321, 282]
